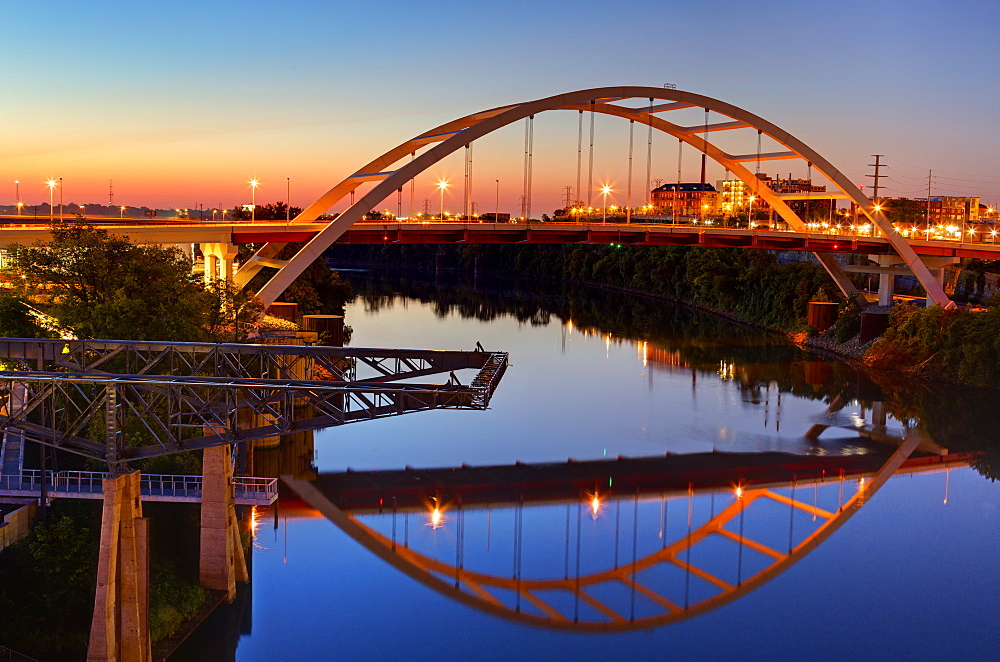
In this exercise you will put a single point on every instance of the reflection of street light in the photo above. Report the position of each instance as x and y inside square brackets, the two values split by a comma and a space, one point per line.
[51, 184]
[604, 191]
[442, 185]
[253, 199]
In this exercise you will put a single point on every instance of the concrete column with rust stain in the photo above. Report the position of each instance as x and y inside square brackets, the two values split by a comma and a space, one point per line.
[120, 625]
[222, 563]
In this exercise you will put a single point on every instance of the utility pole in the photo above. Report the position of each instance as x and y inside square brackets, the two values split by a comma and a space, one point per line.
[875, 187]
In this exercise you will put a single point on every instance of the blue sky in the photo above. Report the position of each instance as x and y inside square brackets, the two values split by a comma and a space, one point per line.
[183, 102]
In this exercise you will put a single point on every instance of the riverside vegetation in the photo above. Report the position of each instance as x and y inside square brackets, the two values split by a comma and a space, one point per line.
[751, 286]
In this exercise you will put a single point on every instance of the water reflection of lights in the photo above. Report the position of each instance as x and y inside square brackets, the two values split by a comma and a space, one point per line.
[595, 506]
[726, 370]
[437, 520]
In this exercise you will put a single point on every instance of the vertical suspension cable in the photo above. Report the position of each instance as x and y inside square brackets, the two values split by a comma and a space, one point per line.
[590, 167]
[465, 190]
[471, 210]
[628, 194]
[399, 202]
[531, 154]
[524, 173]
[649, 157]
[673, 202]
[413, 155]
[579, 157]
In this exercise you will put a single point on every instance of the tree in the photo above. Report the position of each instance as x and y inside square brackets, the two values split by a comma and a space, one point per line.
[904, 210]
[270, 211]
[104, 286]
[17, 321]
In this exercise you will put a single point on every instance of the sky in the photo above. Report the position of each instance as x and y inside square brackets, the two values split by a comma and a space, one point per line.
[181, 103]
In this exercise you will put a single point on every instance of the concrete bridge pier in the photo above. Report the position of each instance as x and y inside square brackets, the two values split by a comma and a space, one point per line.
[119, 629]
[889, 266]
[222, 563]
[219, 261]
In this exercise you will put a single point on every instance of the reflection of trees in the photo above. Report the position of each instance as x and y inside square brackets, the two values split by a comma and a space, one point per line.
[705, 343]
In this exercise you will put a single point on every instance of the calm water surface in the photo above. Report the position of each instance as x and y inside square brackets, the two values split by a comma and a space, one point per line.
[913, 574]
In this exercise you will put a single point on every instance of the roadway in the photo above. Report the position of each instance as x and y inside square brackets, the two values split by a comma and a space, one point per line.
[535, 232]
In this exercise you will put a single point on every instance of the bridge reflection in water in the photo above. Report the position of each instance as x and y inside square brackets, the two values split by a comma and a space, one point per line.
[608, 546]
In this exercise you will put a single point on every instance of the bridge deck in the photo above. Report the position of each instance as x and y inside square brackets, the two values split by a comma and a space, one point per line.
[640, 232]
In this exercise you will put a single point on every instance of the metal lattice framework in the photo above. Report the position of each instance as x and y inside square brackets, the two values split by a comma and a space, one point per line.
[452, 136]
[240, 361]
[169, 405]
[536, 601]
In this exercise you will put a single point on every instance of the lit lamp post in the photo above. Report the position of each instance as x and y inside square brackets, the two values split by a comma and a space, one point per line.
[253, 199]
[442, 185]
[604, 208]
[750, 223]
[121, 211]
[52, 185]
[17, 196]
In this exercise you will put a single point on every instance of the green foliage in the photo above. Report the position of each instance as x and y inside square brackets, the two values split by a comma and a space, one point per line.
[104, 286]
[959, 345]
[16, 321]
[849, 322]
[173, 599]
[748, 284]
[49, 577]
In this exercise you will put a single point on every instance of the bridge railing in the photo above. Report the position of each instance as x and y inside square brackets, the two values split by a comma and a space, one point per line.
[247, 490]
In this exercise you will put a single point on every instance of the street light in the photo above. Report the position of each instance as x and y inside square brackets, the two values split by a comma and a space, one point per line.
[122, 211]
[17, 196]
[442, 185]
[750, 214]
[604, 191]
[496, 215]
[253, 199]
[52, 185]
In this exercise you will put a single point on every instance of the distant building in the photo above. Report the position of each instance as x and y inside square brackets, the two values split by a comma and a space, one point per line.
[735, 196]
[951, 209]
[686, 199]
[494, 217]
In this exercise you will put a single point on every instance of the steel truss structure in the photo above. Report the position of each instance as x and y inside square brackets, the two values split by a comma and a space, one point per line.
[168, 405]
[234, 360]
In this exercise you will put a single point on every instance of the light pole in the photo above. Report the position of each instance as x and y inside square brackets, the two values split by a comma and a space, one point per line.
[17, 196]
[442, 185]
[496, 214]
[52, 185]
[750, 213]
[288, 200]
[60, 200]
[121, 211]
[253, 199]
[604, 191]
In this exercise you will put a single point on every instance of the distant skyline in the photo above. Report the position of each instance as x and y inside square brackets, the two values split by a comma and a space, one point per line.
[183, 103]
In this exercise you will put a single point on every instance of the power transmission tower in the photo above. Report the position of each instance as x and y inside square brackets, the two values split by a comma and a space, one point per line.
[567, 196]
[875, 187]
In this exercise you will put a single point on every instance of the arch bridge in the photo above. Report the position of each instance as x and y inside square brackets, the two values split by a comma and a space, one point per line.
[647, 106]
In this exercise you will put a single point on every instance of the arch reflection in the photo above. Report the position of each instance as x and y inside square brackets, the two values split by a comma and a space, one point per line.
[775, 509]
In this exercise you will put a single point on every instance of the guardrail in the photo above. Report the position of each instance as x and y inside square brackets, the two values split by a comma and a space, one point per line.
[247, 490]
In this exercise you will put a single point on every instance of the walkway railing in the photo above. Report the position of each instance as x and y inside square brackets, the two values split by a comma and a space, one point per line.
[247, 490]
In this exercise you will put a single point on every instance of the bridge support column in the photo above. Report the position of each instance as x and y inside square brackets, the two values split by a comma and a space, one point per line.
[886, 288]
[222, 563]
[119, 629]
[219, 257]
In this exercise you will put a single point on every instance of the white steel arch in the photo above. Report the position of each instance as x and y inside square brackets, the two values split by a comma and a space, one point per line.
[454, 135]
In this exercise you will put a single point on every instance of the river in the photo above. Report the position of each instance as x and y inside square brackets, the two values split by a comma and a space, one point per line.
[909, 570]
